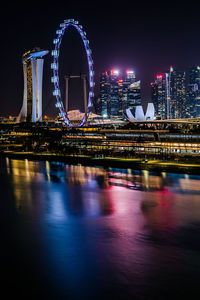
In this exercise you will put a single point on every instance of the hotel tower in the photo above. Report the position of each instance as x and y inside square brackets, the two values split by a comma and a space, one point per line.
[32, 61]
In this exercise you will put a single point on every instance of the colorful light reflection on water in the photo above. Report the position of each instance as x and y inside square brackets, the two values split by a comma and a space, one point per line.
[87, 232]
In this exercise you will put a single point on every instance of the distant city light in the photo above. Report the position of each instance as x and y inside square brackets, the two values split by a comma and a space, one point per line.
[128, 72]
[120, 81]
[114, 72]
[159, 76]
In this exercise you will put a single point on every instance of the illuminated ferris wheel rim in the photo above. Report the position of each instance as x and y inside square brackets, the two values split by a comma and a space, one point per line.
[55, 67]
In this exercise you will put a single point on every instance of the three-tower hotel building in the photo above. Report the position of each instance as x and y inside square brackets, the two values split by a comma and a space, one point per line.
[32, 61]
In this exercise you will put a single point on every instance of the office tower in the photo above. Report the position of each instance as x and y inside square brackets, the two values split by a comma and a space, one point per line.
[118, 92]
[177, 94]
[131, 91]
[193, 93]
[134, 95]
[114, 103]
[159, 96]
[110, 94]
[32, 61]
[97, 105]
[128, 79]
[104, 93]
[169, 95]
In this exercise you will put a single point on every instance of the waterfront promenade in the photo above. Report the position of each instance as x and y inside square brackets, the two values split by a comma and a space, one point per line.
[155, 145]
[136, 163]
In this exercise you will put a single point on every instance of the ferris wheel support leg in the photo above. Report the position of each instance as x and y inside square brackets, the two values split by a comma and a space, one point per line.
[66, 93]
[85, 95]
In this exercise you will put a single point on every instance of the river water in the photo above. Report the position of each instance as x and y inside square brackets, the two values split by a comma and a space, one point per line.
[78, 232]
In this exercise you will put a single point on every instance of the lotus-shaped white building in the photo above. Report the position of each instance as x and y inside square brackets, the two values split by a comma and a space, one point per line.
[139, 113]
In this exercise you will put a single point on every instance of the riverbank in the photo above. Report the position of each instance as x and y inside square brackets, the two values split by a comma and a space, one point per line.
[134, 163]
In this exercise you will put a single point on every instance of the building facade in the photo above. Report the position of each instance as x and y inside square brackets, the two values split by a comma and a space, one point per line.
[177, 94]
[169, 95]
[118, 92]
[32, 61]
[131, 91]
[114, 102]
[159, 96]
[193, 93]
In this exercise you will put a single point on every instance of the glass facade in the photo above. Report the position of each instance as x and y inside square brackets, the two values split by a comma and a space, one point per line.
[159, 96]
[178, 95]
[114, 103]
[193, 93]
[118, 92]
[104, 93]
[169, 95]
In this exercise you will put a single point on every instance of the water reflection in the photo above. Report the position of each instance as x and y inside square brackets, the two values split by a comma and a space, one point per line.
[124, 233]
[89, 191]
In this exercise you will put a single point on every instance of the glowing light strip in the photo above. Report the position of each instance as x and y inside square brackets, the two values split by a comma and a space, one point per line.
[55, 69]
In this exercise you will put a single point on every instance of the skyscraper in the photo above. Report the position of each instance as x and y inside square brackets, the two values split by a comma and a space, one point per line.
[177, 94]
[104, 93]
[118, 92]
[169, 94]
[33, 72]
[159, 96]
[193, 92]
[131, 91]
[114, 102]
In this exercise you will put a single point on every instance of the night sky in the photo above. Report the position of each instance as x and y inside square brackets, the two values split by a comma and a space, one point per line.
[145, 37]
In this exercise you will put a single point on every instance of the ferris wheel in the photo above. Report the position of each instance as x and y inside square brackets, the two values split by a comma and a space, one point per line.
[55, 68]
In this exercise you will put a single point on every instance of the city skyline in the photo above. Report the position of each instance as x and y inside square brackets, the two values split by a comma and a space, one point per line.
[100, 150]
[148, 41]
[118, 91]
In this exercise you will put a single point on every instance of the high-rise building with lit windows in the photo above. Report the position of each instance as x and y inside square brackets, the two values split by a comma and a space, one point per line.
[118, 91]
[104, 93]
[169, 95]
[193, 93]
[158, 94]
[177, 94]
[114, 102]
[131, 91]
